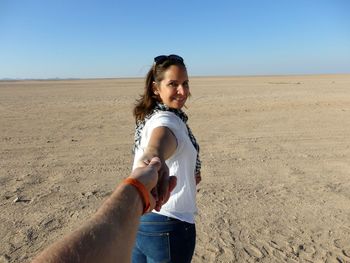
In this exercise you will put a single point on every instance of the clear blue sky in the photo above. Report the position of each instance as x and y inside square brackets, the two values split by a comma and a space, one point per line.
[88, 39]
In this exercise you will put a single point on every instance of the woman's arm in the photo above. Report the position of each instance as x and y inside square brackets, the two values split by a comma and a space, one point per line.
[162, 144]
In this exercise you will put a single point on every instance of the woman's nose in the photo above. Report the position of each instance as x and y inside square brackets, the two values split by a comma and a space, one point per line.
[181, 90]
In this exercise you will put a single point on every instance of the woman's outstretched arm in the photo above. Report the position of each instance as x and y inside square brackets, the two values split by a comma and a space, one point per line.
[162, 144]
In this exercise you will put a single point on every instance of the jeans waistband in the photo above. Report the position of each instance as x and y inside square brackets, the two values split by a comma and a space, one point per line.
[153, 217]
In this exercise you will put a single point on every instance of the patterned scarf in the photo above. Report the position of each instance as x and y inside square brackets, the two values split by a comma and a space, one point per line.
[182, 115]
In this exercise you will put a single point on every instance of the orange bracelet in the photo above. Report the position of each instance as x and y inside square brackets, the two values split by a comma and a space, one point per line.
[142, 191]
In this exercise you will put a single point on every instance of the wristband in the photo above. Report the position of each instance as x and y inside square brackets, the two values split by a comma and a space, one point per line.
[142, 191]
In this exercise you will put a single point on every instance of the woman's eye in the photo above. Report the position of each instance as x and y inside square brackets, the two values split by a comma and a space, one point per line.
[172, 84]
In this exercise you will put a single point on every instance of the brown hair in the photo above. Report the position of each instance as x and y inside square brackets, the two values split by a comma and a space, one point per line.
[146, 102]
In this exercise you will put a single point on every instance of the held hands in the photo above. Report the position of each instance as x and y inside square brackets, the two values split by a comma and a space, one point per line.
[154, 175]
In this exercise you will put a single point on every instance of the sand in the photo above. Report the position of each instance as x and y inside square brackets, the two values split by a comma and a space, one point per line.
[275, 152]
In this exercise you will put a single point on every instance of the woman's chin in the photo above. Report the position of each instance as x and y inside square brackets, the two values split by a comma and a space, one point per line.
[178, 104]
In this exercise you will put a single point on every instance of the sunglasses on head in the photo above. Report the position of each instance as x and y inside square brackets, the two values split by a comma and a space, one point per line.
[162, 58]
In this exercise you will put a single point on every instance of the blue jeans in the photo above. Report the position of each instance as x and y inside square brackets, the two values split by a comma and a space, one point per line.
[164, 239]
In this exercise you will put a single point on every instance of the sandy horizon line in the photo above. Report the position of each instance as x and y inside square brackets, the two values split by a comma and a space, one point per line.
[191, 76]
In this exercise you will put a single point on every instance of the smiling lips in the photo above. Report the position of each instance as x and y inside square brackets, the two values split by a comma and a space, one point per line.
[182, 99]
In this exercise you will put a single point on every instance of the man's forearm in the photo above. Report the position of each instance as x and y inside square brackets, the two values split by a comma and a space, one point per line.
[107, 237]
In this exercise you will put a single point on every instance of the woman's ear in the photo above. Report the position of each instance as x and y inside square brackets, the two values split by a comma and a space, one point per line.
[155, 88]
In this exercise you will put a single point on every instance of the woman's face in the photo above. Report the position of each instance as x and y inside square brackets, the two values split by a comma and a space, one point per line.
[173, 90]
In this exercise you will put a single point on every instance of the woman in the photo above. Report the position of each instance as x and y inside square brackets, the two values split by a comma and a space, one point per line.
[167, 234]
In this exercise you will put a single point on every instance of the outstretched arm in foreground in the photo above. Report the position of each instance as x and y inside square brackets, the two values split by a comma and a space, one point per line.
[110, 234]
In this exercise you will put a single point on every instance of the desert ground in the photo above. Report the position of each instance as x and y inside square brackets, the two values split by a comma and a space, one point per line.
[275, 153]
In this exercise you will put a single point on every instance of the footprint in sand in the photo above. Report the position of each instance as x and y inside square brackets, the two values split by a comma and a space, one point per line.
[253, 252]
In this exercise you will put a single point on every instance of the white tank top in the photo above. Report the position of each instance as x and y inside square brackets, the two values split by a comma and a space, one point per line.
[182, 202]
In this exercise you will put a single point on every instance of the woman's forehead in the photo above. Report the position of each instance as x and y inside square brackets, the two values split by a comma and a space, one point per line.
[175, 72]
